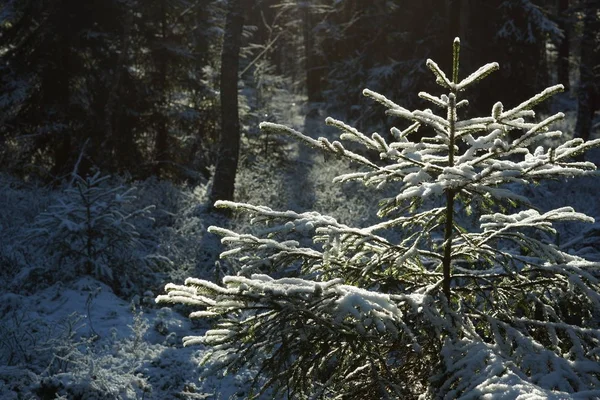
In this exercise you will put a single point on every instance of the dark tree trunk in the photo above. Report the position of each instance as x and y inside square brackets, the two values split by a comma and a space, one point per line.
[313, 74]
[587, 97]
[120, 141]
[229, 142]
[161, 151]
[57, 84]
[564, 22]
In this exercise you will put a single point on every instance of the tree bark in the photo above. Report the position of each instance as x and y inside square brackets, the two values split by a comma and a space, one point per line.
[57, 93]
[162, 141]
[564, 46]
[229, 142]
[587, 98]
[120, 143]
[313, 76]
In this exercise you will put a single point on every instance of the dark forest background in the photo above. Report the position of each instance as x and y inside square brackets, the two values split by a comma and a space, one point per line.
[145, 87]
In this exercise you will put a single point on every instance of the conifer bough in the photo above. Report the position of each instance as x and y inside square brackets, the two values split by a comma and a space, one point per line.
[424, 303]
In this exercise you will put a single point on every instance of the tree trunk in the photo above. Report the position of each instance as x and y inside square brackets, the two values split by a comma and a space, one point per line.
[588, 89]
[229, 142]
[313, 77]
[161, 145]
[120, 142]
[59, 79]
[564, 23]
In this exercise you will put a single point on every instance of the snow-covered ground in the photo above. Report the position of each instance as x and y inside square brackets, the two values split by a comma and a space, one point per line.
[80, 340]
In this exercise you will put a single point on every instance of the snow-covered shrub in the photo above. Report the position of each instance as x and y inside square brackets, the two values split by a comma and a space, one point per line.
[267, 99]
[460, 291]
[29, 340]
[91, 229]
[181, 220]
[44, 358]
[94, 372]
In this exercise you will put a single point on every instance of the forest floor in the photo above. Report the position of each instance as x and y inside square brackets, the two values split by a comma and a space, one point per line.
[78, 339]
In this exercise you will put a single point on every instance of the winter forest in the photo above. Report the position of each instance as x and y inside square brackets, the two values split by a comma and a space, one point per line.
[299, 199]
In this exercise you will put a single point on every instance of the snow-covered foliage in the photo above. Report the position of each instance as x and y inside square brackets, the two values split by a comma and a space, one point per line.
[63, 335]
[421, 304]
[537, 21]
[92, 230]
[80, 341]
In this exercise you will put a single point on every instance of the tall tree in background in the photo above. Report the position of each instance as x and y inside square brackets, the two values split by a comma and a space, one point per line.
[313, 72]
[119, 135]
[294, 25]
[563, 57]
[588, 95]
[174, 48]
[381, 45]
[229, 142]
[134, 85]
[125, 77]
[47, 92]
[160, 60]
[515, 36]
[199, 147]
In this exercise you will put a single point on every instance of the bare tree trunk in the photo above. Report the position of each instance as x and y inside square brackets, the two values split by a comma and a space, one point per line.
[587, 98]
[60, 72]
[120, 147]
[161, 145]
[229, 143]
[313, 78]
[564, 46]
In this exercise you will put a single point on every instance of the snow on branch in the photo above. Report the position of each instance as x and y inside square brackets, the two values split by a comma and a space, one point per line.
[531, 218]
[478, 75]
[322, 143]
[441, 78]
[532, 102]
[385, 101]
[438, 101]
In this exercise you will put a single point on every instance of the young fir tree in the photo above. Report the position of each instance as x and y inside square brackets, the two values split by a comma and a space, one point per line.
[91, 230]
[445, 309]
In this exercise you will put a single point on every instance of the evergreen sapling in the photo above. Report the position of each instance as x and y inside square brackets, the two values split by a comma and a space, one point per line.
[92, 230]
[421, 304]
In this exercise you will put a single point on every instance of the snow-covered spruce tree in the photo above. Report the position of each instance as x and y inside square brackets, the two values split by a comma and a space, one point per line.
[91, 230]
[425, 303]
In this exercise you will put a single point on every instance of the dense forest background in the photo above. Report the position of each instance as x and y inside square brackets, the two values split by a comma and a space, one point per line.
[134, 86]
[123, 121]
